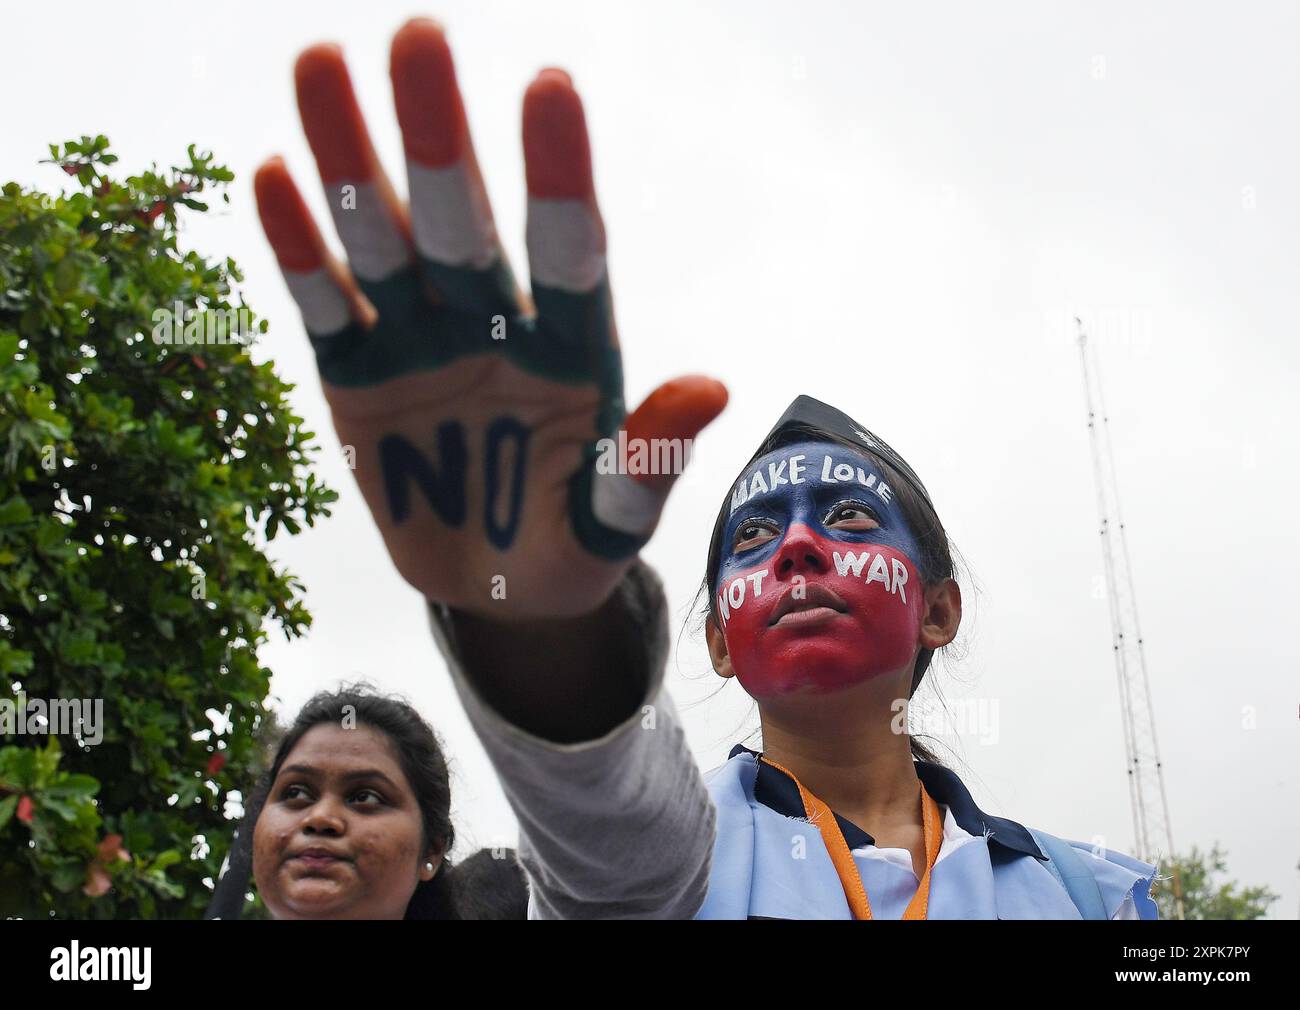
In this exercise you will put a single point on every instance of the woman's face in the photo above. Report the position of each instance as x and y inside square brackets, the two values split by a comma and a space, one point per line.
[340, 835]
[818, 585]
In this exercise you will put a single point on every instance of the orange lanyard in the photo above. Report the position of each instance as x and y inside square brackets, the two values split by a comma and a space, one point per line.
[820, 815]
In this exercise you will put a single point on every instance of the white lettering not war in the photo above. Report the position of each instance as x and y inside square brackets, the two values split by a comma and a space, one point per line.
[878, 571]
[889, 572]
[733, 594]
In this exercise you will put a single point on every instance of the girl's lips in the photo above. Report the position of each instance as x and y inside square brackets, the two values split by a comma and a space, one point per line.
[806, 597]
[317, 859]
[811, 615]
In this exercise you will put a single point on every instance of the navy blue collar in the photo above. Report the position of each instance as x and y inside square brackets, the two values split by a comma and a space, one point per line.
[779, 793]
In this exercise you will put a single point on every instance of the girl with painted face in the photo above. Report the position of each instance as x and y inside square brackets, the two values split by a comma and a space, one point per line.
[481, 420]
[829, 585]
[823, 602]
[352, 821]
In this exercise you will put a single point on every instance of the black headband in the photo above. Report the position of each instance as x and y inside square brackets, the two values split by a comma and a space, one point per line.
[805, 410]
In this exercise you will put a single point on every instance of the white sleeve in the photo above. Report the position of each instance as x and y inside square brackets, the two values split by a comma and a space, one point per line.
[617, 827]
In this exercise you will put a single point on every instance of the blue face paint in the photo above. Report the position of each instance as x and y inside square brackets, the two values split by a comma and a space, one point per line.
[800, 483]
[829, 592]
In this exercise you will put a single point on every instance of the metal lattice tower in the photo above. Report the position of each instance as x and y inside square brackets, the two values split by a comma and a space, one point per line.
[1146, 780]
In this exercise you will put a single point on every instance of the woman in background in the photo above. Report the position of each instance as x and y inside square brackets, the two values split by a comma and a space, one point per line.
[352, 821]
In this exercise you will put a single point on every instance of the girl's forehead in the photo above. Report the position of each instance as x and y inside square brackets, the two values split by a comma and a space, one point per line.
[808, 469]
[331, 746]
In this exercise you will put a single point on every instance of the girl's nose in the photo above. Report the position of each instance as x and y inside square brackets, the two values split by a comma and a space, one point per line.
[324, 817]
[801, 552]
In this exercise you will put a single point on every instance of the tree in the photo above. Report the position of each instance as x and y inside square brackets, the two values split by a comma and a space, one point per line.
[1205, 896]
[144, 461]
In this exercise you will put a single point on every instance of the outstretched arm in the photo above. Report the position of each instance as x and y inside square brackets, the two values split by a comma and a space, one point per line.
[482, 420]
[614, 818]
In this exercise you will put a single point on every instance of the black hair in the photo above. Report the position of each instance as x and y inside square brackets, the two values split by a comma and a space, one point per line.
[422, 761]
[936, 561]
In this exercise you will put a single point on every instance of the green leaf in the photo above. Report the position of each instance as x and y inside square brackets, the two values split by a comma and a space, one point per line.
[14, 511]
[68, 877]
[7, 807]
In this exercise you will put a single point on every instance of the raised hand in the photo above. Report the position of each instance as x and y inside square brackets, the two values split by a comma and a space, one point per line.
[475, 413]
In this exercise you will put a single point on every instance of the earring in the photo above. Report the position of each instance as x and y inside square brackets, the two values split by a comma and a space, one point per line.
[429, 867]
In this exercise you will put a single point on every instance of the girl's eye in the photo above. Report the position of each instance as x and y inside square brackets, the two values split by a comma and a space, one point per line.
[367, 798]
[752, 533]
[852, 516]
[293, 792]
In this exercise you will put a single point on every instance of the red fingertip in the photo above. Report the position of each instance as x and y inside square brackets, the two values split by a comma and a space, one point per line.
[680, 408]
[285, 218]
[423, 23]
[429, 106]
[556, 74]
[557, 153]
[331, 117]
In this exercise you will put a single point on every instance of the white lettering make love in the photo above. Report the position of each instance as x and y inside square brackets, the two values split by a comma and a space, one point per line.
[791, 471]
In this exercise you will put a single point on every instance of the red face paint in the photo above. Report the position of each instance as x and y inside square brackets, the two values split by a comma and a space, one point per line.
[838, 555]
[820, 615]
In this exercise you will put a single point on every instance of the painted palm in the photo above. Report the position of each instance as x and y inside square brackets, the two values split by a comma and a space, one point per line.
[474, 411]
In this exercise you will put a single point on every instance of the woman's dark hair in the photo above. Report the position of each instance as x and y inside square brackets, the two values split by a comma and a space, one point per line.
[425, 767]
[936, 560]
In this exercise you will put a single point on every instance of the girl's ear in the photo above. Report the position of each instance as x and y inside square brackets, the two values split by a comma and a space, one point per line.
[718, 649]
[942, 614]
[430, 863]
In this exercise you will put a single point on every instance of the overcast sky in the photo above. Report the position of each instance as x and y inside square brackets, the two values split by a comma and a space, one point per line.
[897, 209]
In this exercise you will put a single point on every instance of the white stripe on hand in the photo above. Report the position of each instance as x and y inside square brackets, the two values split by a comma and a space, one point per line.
[450, 216]
[625, 504]
[566, 245]
[376, 249]
[324, 309]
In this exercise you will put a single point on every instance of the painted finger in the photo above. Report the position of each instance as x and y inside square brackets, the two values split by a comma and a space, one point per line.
[367, 214]
[333, 310]
[451, 217]
[566, 236]
[617, 501]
